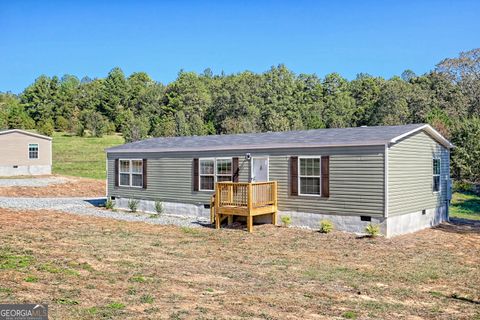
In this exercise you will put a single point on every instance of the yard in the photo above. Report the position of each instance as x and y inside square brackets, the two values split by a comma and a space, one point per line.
[465, 206]
[81, 156]
[96, 268]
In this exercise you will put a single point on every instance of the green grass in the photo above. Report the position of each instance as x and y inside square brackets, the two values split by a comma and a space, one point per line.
[81, 156]
[466, 206]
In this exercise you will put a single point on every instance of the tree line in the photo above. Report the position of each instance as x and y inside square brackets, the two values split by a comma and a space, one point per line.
[447, 97]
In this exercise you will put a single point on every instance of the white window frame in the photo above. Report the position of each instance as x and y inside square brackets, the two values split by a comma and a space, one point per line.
[300, 176]
[38, 151]
[215, 173]
[130, 173]
[437, 174]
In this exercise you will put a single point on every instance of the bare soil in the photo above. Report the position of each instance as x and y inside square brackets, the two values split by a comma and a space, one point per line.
[74, 187]
[96, 268]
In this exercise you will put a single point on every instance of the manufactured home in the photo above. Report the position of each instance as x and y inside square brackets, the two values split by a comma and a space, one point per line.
[394, 176]
[24, 153]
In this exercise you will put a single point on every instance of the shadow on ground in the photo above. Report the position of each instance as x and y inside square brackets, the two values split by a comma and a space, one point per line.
[459, 225]
[97, 202]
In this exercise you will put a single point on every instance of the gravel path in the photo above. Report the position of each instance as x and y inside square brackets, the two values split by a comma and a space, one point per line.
[83, 206]
[31, 182]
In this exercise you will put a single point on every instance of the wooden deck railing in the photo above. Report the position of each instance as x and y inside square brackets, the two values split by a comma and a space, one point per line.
[244, 199]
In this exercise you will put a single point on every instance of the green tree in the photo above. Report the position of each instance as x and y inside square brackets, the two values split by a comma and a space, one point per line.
[466, 154]
[392, 106]
[339, 104]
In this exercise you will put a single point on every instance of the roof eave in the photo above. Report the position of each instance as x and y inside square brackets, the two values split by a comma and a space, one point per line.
[243, 147]
[434, 133]
[41, 136]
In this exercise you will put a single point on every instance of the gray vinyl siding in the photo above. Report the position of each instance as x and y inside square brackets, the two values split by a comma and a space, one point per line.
[356, 178]
[410, 180]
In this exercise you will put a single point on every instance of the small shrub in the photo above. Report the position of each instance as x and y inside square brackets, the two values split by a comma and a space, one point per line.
[159, 207]
[372, 230]
[286, 220]
[461, 186]
[133, 205]
[109, 204]
[326, 226]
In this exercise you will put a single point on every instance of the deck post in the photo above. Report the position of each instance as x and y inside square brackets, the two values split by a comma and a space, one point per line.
[250, 223]
[249, 207]
[274, 196]
[217, 201]
[212, 209]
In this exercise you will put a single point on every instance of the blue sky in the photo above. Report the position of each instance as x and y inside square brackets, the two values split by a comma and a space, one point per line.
[91, 37]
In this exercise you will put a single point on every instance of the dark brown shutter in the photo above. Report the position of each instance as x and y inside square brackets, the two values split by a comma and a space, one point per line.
[325, 176]
[144, 173]
[195, 174]
[235, 169]
[294, 176]
[116, 172]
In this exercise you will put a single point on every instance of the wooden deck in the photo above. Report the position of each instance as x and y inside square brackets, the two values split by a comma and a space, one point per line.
[243, 199]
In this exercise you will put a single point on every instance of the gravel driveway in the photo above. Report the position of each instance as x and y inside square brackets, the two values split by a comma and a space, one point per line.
[83, 206]
[31, 182]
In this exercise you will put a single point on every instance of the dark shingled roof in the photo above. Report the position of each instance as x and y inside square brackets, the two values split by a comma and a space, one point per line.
[360, 136]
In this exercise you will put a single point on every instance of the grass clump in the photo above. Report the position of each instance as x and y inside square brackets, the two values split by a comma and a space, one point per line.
[9, 260]
[116, 306]
[146, 298]
[139, 279]
[190, 230]
[326, 226]
[372, 230]
[31, 279]
[286, 221]
[350, 315]
[133, 205]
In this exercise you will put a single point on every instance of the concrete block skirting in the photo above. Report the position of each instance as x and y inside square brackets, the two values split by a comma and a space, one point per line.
[349, 223]
[7, 171]
[392, 226]
[411, 222]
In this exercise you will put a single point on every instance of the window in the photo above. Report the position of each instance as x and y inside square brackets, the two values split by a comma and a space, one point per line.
[214, 170]
[33, 151]
[436, 174]
[207, 174]
[131, 173]
[309, 177]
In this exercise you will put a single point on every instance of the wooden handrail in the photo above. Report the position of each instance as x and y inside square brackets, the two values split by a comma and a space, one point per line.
[246, 199]
[245, 195]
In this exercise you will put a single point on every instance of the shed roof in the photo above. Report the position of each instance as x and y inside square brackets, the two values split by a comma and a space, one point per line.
[359, 136]
[41, 136]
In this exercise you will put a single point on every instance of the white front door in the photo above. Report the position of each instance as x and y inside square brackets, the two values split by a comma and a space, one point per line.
[259, 169]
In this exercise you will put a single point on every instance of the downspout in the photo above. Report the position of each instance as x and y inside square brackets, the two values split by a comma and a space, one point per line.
[385, 188]
[385, 157]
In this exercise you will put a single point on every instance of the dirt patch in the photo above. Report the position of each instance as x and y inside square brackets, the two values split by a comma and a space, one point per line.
[72, 187]
[95, 268]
